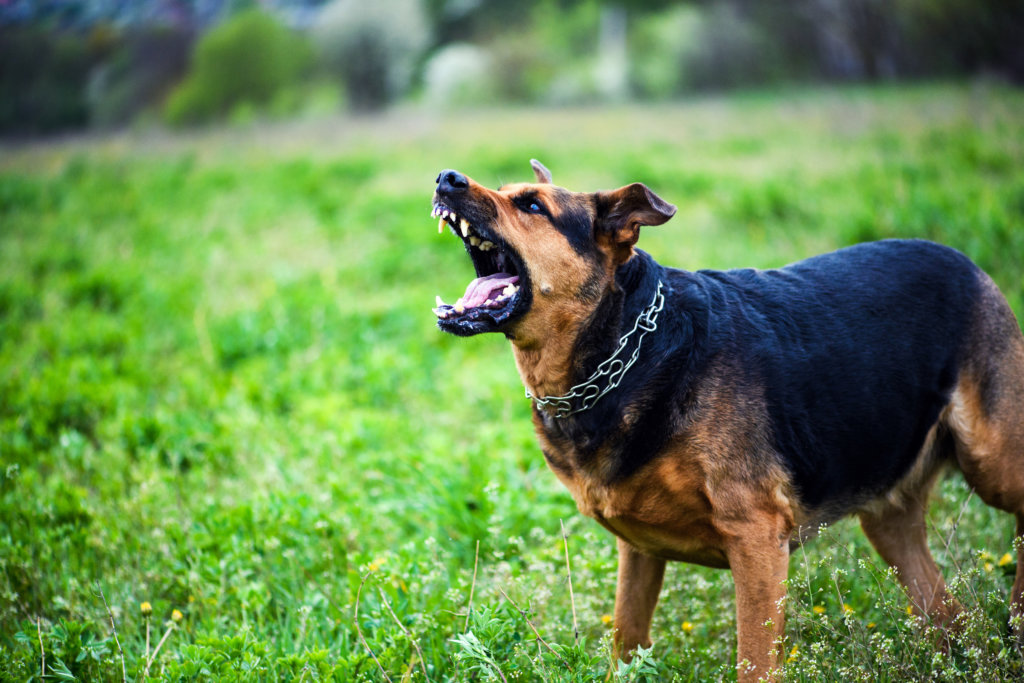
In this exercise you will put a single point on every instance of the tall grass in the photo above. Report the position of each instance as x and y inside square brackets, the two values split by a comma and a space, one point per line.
[221, 393]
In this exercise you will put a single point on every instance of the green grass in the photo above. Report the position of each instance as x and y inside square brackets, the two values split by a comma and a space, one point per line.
[222, 392]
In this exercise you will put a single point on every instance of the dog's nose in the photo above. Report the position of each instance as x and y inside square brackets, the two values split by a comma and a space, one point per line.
[452, 182]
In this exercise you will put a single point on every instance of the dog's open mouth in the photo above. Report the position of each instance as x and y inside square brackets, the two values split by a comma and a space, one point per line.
[500, 292]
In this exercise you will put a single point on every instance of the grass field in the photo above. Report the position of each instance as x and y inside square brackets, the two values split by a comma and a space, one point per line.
[222, 394]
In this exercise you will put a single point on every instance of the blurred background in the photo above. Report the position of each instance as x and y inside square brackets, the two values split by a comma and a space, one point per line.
[76, 64]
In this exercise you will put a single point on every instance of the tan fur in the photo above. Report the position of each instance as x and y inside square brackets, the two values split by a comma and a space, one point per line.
[543, 339]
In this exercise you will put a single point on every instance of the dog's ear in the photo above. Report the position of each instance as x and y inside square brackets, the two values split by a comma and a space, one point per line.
[621, 212]
[542, 173]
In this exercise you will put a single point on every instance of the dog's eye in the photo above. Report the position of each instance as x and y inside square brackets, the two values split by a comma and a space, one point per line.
[530, 205]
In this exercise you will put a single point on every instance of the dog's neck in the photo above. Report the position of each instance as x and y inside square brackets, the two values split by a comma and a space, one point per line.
[577, 344]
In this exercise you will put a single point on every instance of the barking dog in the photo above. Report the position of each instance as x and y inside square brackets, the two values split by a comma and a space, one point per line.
[716, 417]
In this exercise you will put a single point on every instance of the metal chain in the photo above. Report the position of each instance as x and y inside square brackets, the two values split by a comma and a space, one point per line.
[614, 368]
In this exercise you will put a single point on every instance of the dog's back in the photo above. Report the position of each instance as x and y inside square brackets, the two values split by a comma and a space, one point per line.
[857, 353]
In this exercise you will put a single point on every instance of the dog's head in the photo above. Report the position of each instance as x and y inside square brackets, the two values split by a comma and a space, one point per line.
[543, 255]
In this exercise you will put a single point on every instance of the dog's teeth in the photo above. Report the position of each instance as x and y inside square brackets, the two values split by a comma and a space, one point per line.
[510, 290]
[438, 302]
[440, 226]
[460, 308]
[474, 240]
[444, 213]
[464, 227]
[440, 313]
[486, 245]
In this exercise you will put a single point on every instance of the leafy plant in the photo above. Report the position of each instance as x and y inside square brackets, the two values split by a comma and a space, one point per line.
[244, 61]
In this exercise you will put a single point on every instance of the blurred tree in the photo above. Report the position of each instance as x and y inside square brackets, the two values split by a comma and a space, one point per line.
[372, 48]
[147, 63]
[966, 36]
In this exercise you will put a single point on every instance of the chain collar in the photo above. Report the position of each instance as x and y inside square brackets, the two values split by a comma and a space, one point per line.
[614, 368]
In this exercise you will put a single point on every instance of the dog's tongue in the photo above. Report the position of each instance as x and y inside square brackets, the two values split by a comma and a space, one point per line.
[483, 288]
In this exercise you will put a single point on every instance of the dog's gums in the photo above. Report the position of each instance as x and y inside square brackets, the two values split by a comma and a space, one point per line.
[495, 296]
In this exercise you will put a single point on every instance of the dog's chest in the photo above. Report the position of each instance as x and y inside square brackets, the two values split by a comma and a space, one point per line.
[663, 509]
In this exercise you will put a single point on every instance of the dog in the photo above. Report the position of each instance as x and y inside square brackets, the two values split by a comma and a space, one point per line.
[717, 417]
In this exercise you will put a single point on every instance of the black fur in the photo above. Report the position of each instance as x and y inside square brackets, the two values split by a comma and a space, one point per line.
[854, 353]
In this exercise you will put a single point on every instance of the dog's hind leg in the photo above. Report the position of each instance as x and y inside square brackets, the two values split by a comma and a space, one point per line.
[990, 453]
[986, 418]
[897, 529]
[640, 578]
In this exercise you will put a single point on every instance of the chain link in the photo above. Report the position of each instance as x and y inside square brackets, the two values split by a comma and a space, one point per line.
[614, 368]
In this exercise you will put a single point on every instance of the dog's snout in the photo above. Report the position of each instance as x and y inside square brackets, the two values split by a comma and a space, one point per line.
[452, 182]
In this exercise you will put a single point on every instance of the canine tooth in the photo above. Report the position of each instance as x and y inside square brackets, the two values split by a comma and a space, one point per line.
[460, 308]
[464, 227]
[440, 226]
[474, 240]
[486, 245]
[437, 301]
[510, 290]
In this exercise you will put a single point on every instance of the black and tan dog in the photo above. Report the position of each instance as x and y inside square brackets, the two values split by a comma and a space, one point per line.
[716, 417]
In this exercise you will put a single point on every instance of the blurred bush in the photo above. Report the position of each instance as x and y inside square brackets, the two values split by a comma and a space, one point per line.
[241, 63]
[372, 47]
[458, 74]
[522, 67]
[43, 79]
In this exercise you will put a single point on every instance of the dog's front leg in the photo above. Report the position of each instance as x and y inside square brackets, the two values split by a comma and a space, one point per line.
[759, 559]
[640, 578]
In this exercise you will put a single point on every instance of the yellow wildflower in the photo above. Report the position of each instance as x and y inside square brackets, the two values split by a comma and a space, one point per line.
[818, 609]
[793, 654]
[146, 609]
[847, 609]
[1005, 560]
[687, 627]
[606, 619]
[910, 609]
[177, 616]
[988, 566]
[871, 624]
